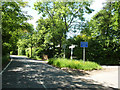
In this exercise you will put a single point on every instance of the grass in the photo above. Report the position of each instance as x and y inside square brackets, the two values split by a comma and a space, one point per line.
[74, 64]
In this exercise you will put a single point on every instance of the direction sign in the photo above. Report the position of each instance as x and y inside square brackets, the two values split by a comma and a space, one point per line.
[64, 46]
[84, 44]
[73, 46]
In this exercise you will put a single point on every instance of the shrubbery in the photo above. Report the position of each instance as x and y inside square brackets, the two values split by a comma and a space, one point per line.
[95, 51]
[5, 59]
[75, 64]
[36, 53]
[21, 51]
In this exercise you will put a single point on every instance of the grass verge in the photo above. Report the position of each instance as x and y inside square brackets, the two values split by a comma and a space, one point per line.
[74, 64]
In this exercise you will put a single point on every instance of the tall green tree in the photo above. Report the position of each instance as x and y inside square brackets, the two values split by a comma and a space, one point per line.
[62, 16]
[12, 21]
[69, 12]
[104, 30]
[26, 40]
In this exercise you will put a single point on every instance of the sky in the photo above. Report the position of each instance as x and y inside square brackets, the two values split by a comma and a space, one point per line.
[96, 5]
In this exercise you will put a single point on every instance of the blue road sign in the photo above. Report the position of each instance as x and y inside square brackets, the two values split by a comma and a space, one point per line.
[84, 44]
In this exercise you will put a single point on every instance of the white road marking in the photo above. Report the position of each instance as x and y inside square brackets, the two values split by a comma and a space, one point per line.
[6, 66]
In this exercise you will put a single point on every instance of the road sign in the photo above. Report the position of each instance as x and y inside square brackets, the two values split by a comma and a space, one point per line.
[84, 44]
[72, 46]
[64, 46]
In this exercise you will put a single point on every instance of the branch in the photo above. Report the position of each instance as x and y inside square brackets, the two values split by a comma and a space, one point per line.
[49, 14]
[73, 18]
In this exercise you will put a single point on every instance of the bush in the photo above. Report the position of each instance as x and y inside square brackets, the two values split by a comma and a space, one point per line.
[11, 52]
[27, 52]
[21, 51]
[5, 59]
[5, 48]
[75, 64]
[36, 53]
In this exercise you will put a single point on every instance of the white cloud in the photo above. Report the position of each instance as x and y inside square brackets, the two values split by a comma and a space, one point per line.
[97, 5]
[32, 12]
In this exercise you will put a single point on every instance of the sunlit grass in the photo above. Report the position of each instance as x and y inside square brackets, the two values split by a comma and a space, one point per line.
[75, 64]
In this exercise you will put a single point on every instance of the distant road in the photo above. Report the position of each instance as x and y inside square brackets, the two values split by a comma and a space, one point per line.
[26, 73]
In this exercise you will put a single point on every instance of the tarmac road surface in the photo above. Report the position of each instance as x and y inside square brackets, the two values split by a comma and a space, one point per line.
[26, 73]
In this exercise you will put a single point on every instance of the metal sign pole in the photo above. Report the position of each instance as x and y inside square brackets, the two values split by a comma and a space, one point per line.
[64, 46]
[71, 52]
[84, 44]
[64, 52]
[83, 54]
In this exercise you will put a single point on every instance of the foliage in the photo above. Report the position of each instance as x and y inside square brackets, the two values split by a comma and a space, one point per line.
[21, 51]
[65, 11]
[57, 19]
[5, 59]
[104, 33]
[11, 30]
[26, 41]
[75, 64]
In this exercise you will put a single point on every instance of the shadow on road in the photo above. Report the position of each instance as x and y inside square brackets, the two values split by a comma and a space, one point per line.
[22, 73]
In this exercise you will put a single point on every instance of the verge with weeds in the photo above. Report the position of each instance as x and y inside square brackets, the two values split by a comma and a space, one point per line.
[74, 64]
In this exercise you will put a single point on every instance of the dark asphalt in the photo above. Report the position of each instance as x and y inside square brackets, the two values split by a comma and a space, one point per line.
[26, 73]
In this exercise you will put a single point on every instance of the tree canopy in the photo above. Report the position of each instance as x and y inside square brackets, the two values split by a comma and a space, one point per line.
[102, 32]
[13, 25]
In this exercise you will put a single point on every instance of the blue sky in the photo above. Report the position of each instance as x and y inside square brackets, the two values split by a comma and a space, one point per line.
[96, 5]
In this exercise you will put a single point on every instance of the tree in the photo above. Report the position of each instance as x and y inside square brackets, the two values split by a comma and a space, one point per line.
[11, 30]
[26, 41]
[104, 30]
[62, 15]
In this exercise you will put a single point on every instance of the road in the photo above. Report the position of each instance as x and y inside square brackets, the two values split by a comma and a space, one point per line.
[26, 73]
[108, 76]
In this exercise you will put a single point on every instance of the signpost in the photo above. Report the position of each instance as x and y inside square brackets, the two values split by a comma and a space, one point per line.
[84, 44]
[72, 46]
[64, 46]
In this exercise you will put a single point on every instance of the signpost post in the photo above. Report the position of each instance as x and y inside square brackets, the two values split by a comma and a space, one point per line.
[72, 46]
[64, 46]
[84, 44]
